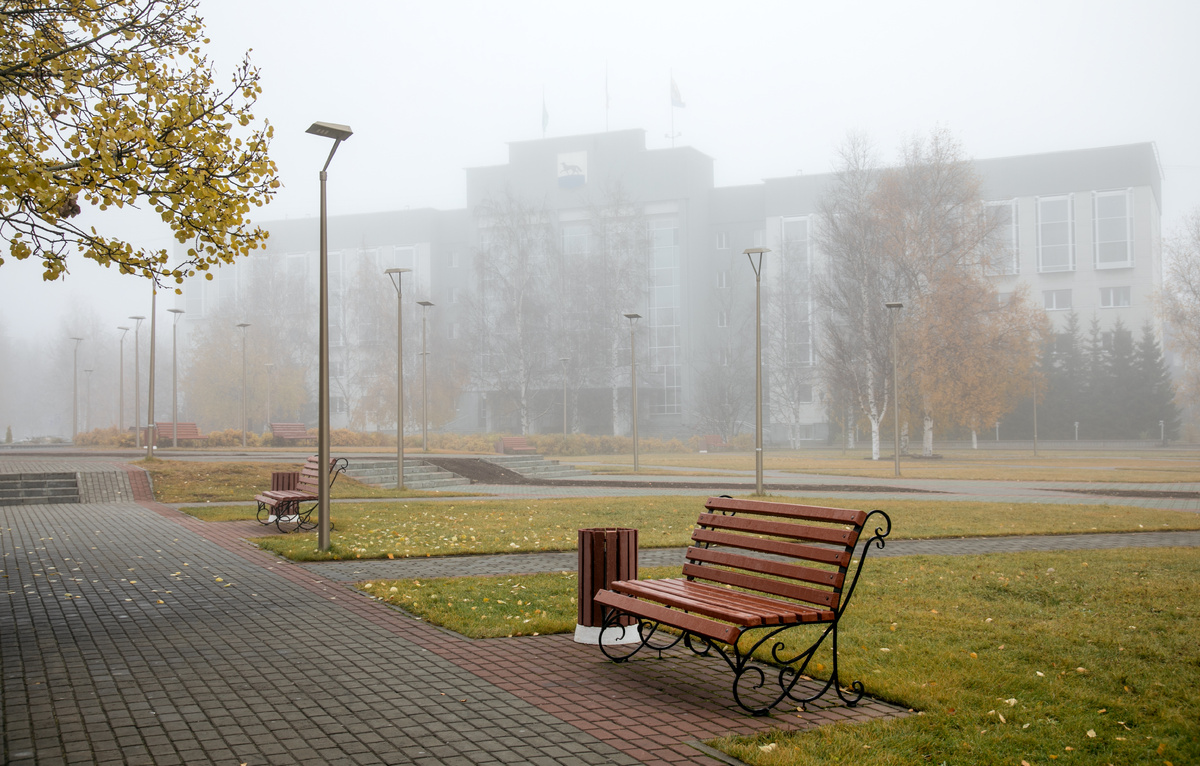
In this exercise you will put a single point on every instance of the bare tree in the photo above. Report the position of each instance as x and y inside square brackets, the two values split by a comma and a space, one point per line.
[513, 311]
[1179, 303]
[855, 347]
[789, 349]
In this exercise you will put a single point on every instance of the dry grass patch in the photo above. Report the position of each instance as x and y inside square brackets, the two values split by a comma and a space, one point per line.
[399, 530]
[191, 481]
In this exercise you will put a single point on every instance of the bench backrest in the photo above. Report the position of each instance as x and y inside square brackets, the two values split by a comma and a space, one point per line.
[289, 431]
[184, 431]
[310, 474]
[514, 444]
[752, 544]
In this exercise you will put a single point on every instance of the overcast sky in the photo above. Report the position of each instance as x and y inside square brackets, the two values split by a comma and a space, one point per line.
[770, 89]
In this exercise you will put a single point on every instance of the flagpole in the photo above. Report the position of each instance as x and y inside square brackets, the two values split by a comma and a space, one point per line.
[605, 96]
[671, 73]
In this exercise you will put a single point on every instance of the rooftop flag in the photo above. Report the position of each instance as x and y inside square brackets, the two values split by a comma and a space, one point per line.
[676, 99]
[545, 116]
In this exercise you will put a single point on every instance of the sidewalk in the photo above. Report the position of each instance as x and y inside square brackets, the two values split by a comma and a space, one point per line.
[133, 633]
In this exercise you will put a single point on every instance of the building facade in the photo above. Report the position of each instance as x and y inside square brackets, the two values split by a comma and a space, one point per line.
[1083, 230]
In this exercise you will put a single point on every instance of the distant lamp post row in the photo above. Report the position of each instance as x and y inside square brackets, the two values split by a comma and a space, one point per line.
[75, 389]
[242, 326]
[424, 379]
[338, 133]
[175, 377]
[137, 380]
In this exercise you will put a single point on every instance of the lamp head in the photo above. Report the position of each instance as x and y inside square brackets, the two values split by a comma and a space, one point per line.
[175, 311]
[426, 304]
[894, 305]
[396, 275]
[243, 325]
[330, 130]
[632, 317]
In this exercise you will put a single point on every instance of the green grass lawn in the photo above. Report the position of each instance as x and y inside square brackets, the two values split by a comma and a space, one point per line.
[398, 530]
[1066, 657]
[191, 481]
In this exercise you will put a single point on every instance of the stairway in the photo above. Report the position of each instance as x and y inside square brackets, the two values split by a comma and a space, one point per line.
[535, 467]
[417, 474]
[38, 488]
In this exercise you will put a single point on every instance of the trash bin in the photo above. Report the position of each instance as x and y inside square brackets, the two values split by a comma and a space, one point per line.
[605, 555]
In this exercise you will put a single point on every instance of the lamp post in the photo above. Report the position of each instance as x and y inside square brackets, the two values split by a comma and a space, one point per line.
[896, 385]
[137, 381]
[151, 437]
[1035, 395]
[121, 384]
[87, 417]
[633, 384]
[1162, 432]
[750, 252]
[397, 276]
[424, 380]
[564, 360]
[338, 133]
[75, 389]
[174, 378]
[1076, 430]
[243, 326]
[270, 367]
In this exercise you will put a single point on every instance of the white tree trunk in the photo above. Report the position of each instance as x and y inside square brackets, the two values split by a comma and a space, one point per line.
[874, 438]
[927, 436]
[974, 439]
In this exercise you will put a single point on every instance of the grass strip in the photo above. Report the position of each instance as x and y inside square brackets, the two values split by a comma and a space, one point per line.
[190, 481]
[494, 607]
[399, 530]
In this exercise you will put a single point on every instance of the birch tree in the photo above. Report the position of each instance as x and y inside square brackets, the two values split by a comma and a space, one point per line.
[1179, 303]
[855, 343]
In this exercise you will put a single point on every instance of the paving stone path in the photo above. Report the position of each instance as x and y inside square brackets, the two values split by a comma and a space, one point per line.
[131, 633]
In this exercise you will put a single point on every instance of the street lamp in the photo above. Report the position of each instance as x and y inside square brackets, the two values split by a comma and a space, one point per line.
[243, 326]
[896, 385]
[1162, 432]
[424, 400]
[750, 252]
[87, 418]
[137, 381]
[338, 133]
[151, 437]
[633, 384]
[564, 360]
[75, 389]
[174, 378]
[121, 386]
[397, 276]
[270, 367]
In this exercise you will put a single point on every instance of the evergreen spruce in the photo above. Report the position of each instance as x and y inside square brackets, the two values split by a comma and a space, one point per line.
[1156, 400]
[1121, 391]
[1095, 376]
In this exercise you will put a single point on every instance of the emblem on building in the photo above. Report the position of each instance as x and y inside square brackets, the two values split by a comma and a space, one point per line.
[572, 170]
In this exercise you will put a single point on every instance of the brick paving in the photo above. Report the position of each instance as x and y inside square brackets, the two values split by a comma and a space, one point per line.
[132, 633]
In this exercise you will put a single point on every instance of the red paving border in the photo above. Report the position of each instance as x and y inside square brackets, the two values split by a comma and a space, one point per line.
[648, 709]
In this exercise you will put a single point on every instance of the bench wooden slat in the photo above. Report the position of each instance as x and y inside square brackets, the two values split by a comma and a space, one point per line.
[718, 631]
[770, 611]
[766, 566]
[846, 537]
[721, 609]
[787, 510]
[839, 557]
[781, 588]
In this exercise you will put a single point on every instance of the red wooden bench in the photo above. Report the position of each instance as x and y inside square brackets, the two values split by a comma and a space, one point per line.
[181, 431]
[282, 506]
[291, 432]
[714, 443]
[514, 445]
[755, 569]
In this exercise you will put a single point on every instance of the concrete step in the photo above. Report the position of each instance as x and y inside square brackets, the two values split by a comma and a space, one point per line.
[35, 488]
[417, 474]
[535, 467]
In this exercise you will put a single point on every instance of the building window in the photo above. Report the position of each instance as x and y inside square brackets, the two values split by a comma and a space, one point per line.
[723, 279]
[452, 333]
[1114, 297]
[722, 318]
[760, 237]
[804, 393]
[1003, 299]
[575, 240]
[1057, 300]
[1002, 224]
[726, 356]
[722, 240]
[1056, 234]
[1112, 227]
[337, 404]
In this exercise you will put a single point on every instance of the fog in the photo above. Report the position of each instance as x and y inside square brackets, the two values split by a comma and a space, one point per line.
[771, 89]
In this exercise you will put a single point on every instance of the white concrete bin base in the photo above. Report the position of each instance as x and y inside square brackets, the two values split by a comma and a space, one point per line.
[586, 634]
